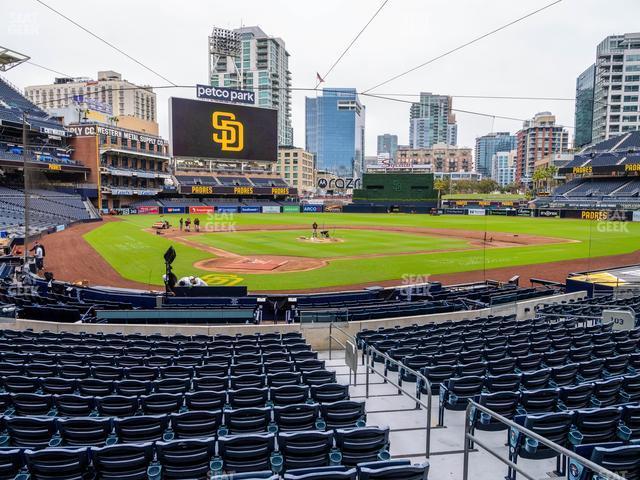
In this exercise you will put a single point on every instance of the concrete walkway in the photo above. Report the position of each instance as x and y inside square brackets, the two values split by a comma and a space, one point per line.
[385, 407]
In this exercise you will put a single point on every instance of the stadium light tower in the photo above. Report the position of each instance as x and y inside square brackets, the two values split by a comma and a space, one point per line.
[10, 58]
[224, 46]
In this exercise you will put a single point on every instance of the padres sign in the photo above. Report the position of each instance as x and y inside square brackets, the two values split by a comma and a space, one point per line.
[215, 130]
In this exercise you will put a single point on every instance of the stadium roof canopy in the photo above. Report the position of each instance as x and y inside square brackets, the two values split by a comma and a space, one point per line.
[10, 59]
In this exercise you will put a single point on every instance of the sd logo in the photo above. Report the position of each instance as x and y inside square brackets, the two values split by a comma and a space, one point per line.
[230, 132]
[222, 280]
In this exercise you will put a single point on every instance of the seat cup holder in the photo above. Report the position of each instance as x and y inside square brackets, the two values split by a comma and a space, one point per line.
[531, 445]
[384, 455]
[216, 466]
[361, 423]
[335, 458]
[276, 462]
[624, 433]
[321, 425]
[153, 472]
[575, 437]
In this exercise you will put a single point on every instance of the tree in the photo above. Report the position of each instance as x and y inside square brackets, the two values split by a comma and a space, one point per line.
[443, 185]
[487, 185]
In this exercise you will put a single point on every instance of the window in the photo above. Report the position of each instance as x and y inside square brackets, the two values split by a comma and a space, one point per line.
[632, 78]
[632, 68]
[631, 88]
[631, 98]
[633, 58]
[630, 108]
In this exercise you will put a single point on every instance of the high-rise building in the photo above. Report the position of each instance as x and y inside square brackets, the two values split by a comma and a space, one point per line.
[538, 137]
[248, 58]
[388, 144]
[617, 85]
[503, 167]
[431, 121]
[585, 86]
[608, 92]
[109, 95]
[487, 146]
[335, 131]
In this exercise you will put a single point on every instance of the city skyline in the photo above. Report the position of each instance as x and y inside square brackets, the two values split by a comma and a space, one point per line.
[31, 29]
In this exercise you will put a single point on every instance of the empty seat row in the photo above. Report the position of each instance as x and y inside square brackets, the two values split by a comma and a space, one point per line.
[65, 405]
[47, 353]
[40, 432]
[255, 366]
[618, 458]
[570, 430]
[560, 370]
[345, 454]
[503, 394]
[136, 386]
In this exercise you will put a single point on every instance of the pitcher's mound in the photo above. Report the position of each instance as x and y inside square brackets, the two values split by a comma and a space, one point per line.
[320, 240]
[260, 264]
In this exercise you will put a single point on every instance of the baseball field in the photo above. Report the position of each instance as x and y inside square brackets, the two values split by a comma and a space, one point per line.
[271, 252]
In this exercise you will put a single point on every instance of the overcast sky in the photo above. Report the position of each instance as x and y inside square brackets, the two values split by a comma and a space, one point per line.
[538, 57]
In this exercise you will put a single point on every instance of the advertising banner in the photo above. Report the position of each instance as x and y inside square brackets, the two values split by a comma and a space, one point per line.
[548, 213]
[498, 211]
[271, 209]
[312, 208]
[201, 209]
[222, 130]
[477, 211]
[455, 211]
[174, 209]
[142, 210]
[636, 216]
[226, 209]
[250, 209]
[524, 212]
[291, 208]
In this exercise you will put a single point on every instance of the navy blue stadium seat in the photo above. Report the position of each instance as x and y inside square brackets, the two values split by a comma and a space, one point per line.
[393, 470]
[365, 444]
[305, 449]
[246, 453]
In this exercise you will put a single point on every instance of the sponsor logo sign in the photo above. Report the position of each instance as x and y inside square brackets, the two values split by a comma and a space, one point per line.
[250, 209]
[227, 209]
[201, 209]
[223, 94]
[312, 208]
[148, 210]
[477, 211]
[594, 215]
[548, 213]
[173, 210]
[54, 167]
[291, 208]
[271, 209]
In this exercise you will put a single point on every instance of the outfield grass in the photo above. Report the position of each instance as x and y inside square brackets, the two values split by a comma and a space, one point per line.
[137, 255]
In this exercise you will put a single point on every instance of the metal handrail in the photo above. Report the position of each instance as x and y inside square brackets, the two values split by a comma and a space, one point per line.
[401, 366]
[332, 338]
[470, 438]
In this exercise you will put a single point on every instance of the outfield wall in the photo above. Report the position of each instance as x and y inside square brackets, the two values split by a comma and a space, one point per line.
[316, 334]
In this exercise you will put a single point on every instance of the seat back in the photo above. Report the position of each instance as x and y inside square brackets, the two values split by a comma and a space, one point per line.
[185, 459]
[298, 417]
[58, 463]
[123, 462]
[84, 431]
[143, 428]
[245, 453]
[196, 424]
[305, 449]
[342, 414]
[363, 444]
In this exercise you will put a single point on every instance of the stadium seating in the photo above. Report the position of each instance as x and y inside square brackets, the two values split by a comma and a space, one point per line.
[134, 406]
